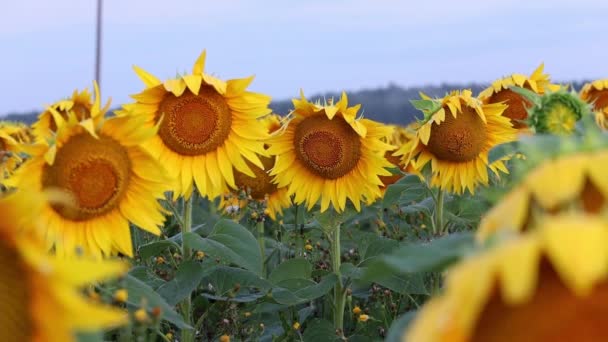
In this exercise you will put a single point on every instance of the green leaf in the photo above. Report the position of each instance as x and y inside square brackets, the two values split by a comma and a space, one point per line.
[377, 247]
[155, 248]
[404, 284]
[408, 184]
[528, 94]
[89, 336]
[186, 280]
[142, 273]
[399, 326]
[422, 257]
[291, 269]
[320, 330]
[230, 241]
[296, 291]
[234, 284]
[139, 292]
[426, 106]
[502, 150]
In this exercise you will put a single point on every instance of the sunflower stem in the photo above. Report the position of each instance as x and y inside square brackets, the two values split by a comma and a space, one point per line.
[439, 212]
[339, 291]
[186, 305]
[261, 242]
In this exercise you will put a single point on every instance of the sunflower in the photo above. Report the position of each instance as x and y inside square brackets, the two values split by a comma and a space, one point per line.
[456, 135]
[327, 152]
[259, 188]
[550, 284]
[40, 295]
[500, 92]
[399, 137]
[596, 93]
[557, 112]
[109, 180]
[572, 181]
[12, 137]
[80, 106]
[208, 127]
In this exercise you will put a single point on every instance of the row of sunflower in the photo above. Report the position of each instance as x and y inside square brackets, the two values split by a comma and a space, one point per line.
[92, 174]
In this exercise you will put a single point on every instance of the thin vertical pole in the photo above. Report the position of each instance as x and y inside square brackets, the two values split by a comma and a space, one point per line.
[98, 44]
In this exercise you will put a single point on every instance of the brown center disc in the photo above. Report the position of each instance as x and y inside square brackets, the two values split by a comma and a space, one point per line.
[458, 139]
[328, 148]
[194, 124]
[517, 106]
[80, 110]
[261, 185]
[94, 172]
[592, 198]
[16, 322]
[599, 98]
[553, 314]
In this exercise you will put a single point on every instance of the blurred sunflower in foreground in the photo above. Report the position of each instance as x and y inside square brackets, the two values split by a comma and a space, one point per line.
[259, 188]
[326, 152]
[108, 179]
[12, 136]
[575, 181]
[207, 128]
[501, 92]
[548, 284]
[40, 295]
[596, 93]
[455, 136]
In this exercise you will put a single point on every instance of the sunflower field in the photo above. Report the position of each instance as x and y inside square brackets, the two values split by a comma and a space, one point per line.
[194, 213]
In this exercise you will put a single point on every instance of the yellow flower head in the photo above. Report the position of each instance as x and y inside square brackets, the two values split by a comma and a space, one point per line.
[13, 137]
[550, 284]
[108, 181]
[78, 108]
[596, 93]
[363, 318]
[41, 297]
[399, 137]
[456, 136]
[500, 92]
[261, 188]
[570, 182]
[207, 128]
[327, 153]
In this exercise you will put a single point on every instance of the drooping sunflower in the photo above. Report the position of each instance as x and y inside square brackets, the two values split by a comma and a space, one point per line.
[557, 112]
[109, 181]
[399, 137]
[260, 188]
[80, 106]
[207, 128]
[40, 295]
[455, 136]
[327, 153]
[549, 284]
[12, 136]
[571, 181]
[500, 92]
[596, 93]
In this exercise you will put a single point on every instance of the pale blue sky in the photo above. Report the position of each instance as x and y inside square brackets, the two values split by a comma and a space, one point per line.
[331, 45]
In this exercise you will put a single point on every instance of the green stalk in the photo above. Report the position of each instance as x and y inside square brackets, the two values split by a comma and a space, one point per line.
[260, 227]
[439, 212]
[186, 305]
[339, 291]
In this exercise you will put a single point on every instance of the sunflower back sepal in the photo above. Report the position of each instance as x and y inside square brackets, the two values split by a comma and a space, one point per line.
[426, 106]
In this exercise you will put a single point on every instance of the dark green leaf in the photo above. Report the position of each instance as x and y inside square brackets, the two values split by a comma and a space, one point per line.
[296, 291]
[89, 336]
[399, 326]
[234, 284]
[229, 241]
[422, 257]
[139, 292]
[320, 330]
[291, 269]
[142, 273]
[155, 248]
[404, 284]
[186, 280]
[502, 150]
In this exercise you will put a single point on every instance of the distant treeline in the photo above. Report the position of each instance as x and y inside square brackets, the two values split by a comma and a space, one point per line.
[390, 104]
